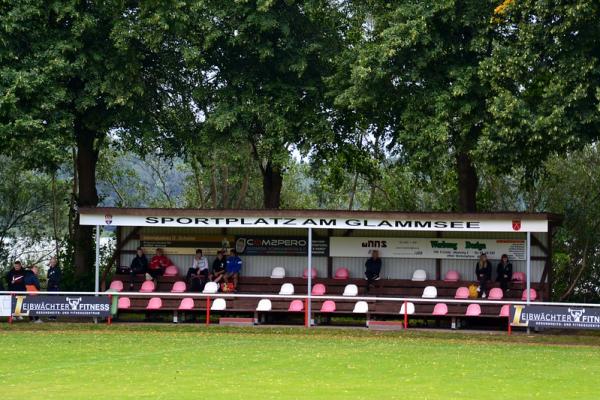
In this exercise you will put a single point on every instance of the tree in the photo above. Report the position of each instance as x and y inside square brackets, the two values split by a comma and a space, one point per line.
[418, 64]
[260, 67]
[74, 71]
[544, 77]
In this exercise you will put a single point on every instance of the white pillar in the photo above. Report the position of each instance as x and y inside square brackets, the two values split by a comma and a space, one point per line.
[310, 267]
[97, 281]
[528, 255]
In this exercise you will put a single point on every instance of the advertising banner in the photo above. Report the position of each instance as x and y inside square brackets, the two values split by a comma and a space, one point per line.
[279, 246]
[469, 249]
[61, 306]
[5, 306]
[185, 244]
[558, 317]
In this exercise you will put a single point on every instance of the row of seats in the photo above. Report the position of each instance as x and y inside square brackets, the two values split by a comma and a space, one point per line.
[328, 306]
[419, 275]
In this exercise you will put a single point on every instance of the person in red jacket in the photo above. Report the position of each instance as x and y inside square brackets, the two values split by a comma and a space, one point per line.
[158, 264]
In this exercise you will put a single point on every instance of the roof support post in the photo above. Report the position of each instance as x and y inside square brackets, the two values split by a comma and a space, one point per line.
[310, 267]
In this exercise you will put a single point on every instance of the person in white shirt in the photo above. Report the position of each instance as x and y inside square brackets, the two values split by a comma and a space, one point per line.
[197, 275]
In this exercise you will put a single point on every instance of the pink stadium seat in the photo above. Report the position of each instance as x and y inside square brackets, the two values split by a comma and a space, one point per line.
[532, 294]
[186, 304]
[296, 306]
[328, 306]
[495, 294]
[342, 274]
[148, 287]
[440, 309]
[178, 287]
[124, 303]
[313, 273]
[519, 277]
[462, 293]
[505, 311]
[116, 285]
[452, 276]
[155, 303]
[473, 310]
[171, 270]
[318, 290]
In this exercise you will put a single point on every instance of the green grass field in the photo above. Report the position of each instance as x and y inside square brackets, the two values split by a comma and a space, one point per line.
[83, 361]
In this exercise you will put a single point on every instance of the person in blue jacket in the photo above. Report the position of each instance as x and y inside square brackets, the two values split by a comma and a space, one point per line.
[233, 267]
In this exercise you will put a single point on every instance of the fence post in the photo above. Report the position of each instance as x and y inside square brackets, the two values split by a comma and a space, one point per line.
[509, 325]
[405, 315]
[306, 316]
[10, 317]
[207, 311]
[109, 320]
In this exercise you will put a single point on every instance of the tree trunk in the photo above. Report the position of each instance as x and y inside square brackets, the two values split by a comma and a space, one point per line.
[272, 183]
[467, 183]
[87, 158]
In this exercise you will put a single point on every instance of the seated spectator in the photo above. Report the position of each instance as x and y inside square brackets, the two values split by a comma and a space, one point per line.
[218, 267]
[16, 278]
[158, 264]
[139, 265]
[504, 272]
[233, 266]
[199, 268]
[373, 267]
[54, 275]
[483, 272]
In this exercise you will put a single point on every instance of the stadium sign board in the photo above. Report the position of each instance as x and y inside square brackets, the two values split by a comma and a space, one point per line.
[559, 317]
[5, 306]
[418, 224]
[62, 306]
[279, 246]
[432, 248]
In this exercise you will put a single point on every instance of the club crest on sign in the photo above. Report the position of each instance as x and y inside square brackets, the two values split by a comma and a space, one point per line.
[108, 219]
[516, 225]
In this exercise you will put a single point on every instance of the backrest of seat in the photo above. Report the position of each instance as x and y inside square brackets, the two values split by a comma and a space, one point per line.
[318, 290]
[116, 285]
[278, 273]
[532, 295]
[219, 305]
[519, 276]
[452, 276]
[495, 294]
[148, 287]
[473, 310]
[264, 305]
[178, 287]
[361, 307]
[154, 303]
[328, 306]
[124, 303]
[287, 289]
[341, 273]
[505, 311]
[419, 275]
[211, 287]
[350, 290]
[313, 273]
[296, 305]
[430, 292]
[440, 309]
[410, 308]
[171, 270]
[186, 304]
[462, 293]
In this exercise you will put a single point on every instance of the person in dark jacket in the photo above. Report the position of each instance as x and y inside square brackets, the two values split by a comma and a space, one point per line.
[32, 285]
[483, 272]
[373, 267]
[504, 272]
[139, 265]
[16, 278]
[54, 275]
[218, 267]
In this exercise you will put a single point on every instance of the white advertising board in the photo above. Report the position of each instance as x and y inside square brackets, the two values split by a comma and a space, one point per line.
[427, 247]
[5, 306]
